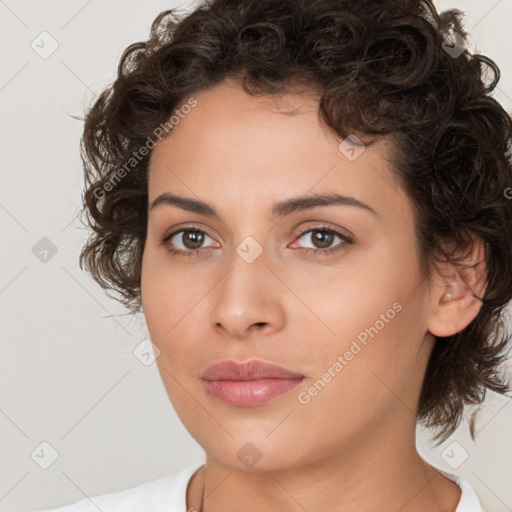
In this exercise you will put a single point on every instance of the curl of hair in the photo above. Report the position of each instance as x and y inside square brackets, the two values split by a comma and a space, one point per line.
[379, 69]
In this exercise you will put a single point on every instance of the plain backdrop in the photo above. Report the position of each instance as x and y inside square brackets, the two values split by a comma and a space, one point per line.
[69, 378]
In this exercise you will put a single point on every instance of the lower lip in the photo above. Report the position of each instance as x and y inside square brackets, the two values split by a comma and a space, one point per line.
[249, 393]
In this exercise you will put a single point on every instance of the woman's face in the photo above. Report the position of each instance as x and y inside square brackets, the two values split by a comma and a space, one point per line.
[350, 318]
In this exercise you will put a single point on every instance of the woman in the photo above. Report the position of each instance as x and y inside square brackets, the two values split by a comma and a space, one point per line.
[308, 202]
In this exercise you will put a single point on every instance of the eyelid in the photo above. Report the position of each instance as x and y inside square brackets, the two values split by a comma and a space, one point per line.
[320, 224]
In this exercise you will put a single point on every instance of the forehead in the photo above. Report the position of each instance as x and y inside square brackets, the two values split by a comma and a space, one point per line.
[237, 150]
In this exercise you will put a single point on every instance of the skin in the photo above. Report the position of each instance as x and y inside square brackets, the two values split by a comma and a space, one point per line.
[352, 447]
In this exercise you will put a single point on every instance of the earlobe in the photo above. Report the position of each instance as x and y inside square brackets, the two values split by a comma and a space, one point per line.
[457, 299]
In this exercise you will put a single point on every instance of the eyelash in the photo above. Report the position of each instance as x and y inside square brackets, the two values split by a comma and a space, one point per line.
[324, 252]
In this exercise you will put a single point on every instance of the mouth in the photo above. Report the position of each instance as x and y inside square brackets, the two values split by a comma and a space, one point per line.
[248, 384]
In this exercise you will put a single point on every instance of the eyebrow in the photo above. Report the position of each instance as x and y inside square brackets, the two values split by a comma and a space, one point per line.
[279, 209]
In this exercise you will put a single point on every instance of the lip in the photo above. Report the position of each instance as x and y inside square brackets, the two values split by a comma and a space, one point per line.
[250, 370]
[248, 384]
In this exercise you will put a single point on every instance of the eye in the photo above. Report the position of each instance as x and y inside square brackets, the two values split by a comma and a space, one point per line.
[190, 239]
[323, 236]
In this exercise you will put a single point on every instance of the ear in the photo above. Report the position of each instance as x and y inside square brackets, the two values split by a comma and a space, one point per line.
[457, 292]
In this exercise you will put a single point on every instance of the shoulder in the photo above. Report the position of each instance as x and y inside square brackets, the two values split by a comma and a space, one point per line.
[469, 501]
[158, 495]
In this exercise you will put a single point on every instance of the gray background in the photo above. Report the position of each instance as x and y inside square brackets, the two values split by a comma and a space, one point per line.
[68, 374]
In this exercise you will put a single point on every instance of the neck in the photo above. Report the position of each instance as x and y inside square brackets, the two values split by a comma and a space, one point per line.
[372, 473]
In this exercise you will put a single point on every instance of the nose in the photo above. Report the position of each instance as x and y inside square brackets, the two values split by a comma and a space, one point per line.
[248, 301]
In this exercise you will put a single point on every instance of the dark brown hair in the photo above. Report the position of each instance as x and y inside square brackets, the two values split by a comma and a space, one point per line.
[393, 68]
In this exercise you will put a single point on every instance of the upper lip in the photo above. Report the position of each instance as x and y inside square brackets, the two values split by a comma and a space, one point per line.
[251, 370]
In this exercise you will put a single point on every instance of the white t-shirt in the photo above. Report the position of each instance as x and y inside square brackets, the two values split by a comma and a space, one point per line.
[168, 494]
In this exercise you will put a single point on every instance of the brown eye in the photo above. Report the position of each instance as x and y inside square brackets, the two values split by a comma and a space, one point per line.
[322, 239]
[185, 242]
[192, 239]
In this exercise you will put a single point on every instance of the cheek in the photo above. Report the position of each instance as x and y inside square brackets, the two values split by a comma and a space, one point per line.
[373, 359]
[164, 292]
[154, 304]
[171, 306]
[375, 332]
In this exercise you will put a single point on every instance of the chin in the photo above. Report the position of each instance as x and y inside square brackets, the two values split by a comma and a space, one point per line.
[252, 453]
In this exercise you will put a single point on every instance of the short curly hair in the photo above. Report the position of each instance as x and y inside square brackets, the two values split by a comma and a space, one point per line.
[394, 68]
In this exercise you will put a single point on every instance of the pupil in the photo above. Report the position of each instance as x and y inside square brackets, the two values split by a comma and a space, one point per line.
[196, 239]
[324, 237]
